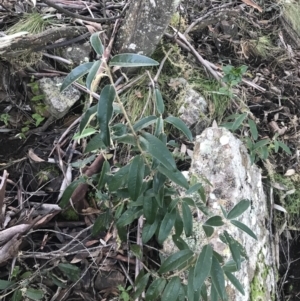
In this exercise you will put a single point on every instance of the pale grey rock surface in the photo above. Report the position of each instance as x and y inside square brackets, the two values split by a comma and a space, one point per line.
[223, 160]
[77, 53]
[58, 103]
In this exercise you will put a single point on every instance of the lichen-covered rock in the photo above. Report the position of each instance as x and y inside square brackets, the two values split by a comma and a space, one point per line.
[222, 159]
[58, 103]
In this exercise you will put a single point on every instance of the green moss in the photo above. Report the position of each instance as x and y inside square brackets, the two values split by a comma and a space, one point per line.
[70, 215]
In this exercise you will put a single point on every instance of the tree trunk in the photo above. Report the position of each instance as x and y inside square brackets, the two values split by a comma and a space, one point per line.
[144, 25]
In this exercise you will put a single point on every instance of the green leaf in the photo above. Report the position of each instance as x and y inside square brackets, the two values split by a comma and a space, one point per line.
[105, 111]
[103, 175]
[75, 74]
[159, 102]
[285, 147]
[261, 143]
[126, 139]
[135, 177]
[238, 121]
[209, 231]
[136, 251]
[253, 129]
[84, 162]
[69, 191]
[190, 286]
[155, 289]
[17, 295]
[102, 222]
[150, 207]
[87, 117]
[166, 226]
[230, 266]
[96, 43]
[149, 230]
[213, 293]
[129, 216]
[92, 74]
[223, 211]
[187, 219]
[178, 224]
[158, 150]
[94, 144]
[193, 188]
[217, 277]
[235, 282]
[180, 125]
[140, 286]
[215, 221]
[144, 122]
[175, 176]
[132, 60]
[189, 201]
[276, 146]
[244, 228]
[204, 292]
[172, 290]
[238, 209]
[85, 133]
[175, 260]
[119, 178]
[34, 294]
[159, 129]
[70, 270]
[180, 243]
[227, 238]
[203, 266]
[4, 284]
[235, 250]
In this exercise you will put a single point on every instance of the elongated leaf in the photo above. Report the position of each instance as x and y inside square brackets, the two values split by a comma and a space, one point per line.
[261, 143]
[172, 290]
[87, 117]
[75, 74]
[34, 294]
[4, 284]
[96, 43]
[238, 209]
[103, 175]
[102, 222]
[180, 125]
[227, 239]
[190, 285]
[244, 228]
[95, 143]
[179, 242]
[253, 129]
[105, 111]
[223, 211]
[135, 177]
[159, 129]
[85, 133]
[166, 226]
[70, 270]
[193, 188]
[235, 282]
[215, 221]
[230, 266]
[158, 182]
[204, 292]
[140, 286]
[175, 176]
[284, 147]
[238, 121]
[209, 231]
[160, 107]
[119, 178]
[132, 60]
[92, 74]
[150, 207]
[148, 231]
[178, 224]
[69, 191]
[128, 217]
[235, 252]
[213, 293]
[17, 295]
[276, 146]
[144, 122]
[158, 150]
[127, 139]
[203, 266]
[175, 260]
[155, 289]
[217, 277]
[187, 219]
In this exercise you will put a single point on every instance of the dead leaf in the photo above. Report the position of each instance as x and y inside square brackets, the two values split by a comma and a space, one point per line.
[34, 157]
[251, 3]
[290, 172]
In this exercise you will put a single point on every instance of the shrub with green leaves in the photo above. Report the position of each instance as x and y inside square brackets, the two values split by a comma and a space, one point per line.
[146, 187]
